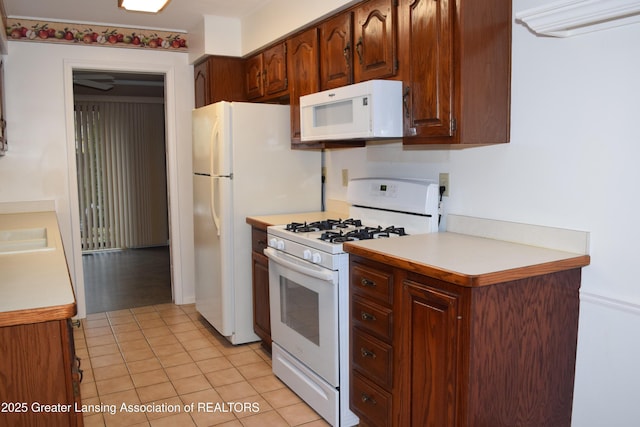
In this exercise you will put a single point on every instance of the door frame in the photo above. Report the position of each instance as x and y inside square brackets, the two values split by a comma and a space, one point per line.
[171, 143]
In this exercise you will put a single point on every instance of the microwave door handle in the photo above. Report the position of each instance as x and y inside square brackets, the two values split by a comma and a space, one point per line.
[282, 259]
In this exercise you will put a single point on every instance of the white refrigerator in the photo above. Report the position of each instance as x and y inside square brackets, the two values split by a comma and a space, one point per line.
[242, 166]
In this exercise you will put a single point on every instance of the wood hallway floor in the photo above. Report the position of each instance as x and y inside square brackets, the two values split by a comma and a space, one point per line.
[118, 280]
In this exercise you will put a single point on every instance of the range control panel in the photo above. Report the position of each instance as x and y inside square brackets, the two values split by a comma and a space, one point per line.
[410, 195]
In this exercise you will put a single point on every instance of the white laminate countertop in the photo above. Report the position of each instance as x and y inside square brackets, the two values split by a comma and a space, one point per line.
[34, 285]
[466, 260]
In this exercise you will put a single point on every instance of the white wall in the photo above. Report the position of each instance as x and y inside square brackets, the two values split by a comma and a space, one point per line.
[279, 18]
[215, 35]
[40, 161]
[572, 163]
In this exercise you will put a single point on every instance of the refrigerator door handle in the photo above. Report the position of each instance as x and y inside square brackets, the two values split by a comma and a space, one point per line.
[212, 208]
[214, 147]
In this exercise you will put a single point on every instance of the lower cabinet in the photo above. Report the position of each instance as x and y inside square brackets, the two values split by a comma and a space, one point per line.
[428, 342]
[425, 352]
[38, 367]
[260, 274]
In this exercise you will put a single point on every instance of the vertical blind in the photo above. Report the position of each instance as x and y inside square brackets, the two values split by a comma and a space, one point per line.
[114, 140]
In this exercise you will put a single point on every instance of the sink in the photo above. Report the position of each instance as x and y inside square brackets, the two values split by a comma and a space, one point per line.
[24, 240]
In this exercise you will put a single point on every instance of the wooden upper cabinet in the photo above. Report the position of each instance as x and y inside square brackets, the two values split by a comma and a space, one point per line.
[455, 61]
[218, 78]
[336, 51]
[303, 67]
[275, 66]
[253, 77]
[201, 84]
[426, 40]
[266, 73]
[374, 36]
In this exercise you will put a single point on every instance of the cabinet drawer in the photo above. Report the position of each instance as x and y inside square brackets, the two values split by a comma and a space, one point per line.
[258, 240]
[370, 402]
[371, 283]
[371, 317]
[372, 358]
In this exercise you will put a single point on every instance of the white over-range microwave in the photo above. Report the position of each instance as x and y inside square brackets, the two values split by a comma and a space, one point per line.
[367, 110]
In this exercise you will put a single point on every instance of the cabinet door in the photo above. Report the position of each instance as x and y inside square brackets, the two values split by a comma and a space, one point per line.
[253, 77]
[225, 75]
[428, 356]
[427, 55]
[201, 83]
[303, 68]
[35, 367]
[275, 69]
[375, 40]
[336, 53]
[261, 315]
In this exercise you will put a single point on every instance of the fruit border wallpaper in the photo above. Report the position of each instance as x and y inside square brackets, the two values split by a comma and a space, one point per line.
[84, 34]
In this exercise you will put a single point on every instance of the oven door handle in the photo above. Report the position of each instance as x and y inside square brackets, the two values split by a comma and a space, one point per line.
[292, 263]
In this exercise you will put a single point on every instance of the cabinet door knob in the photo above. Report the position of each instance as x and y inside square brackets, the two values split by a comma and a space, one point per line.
[367, 353]
[368, 399]
[405, 101]
[359, 50]
[345, 52]
[368, 283]
[367, 316]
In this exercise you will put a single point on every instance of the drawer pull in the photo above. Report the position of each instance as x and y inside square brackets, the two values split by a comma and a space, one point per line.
[367, 353]
[368, 283]
[75, 323]
[76, 369]
[368, 399]
[367, 316]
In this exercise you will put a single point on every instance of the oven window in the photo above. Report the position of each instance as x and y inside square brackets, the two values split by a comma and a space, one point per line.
[299, 309]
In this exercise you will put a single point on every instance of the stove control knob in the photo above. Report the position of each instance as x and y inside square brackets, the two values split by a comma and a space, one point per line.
[280, 245]
[316, 258]
[273, 242]
[306, 254]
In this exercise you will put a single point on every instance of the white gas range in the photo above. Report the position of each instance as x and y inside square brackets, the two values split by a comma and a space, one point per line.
[309, 285]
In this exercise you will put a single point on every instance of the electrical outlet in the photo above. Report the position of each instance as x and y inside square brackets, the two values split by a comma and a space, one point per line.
[444, 182]
[345, 177]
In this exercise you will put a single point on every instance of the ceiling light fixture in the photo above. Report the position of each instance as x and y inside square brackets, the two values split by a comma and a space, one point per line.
[150, 6]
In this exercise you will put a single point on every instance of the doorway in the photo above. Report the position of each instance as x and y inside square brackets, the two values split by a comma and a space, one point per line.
[122, 188]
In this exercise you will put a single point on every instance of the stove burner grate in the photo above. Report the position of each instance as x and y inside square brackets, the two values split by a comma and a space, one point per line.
[365, 233]
[328, 224]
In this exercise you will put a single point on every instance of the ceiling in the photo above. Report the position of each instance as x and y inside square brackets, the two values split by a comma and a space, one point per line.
[178, 15]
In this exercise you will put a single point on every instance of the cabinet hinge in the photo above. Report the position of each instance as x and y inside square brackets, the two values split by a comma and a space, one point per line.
[454, 125]
[395, 3]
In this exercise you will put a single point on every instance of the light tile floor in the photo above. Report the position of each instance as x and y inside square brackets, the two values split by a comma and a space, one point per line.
[166, 355]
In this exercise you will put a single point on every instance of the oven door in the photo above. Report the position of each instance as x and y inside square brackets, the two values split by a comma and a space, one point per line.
[304, 312]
